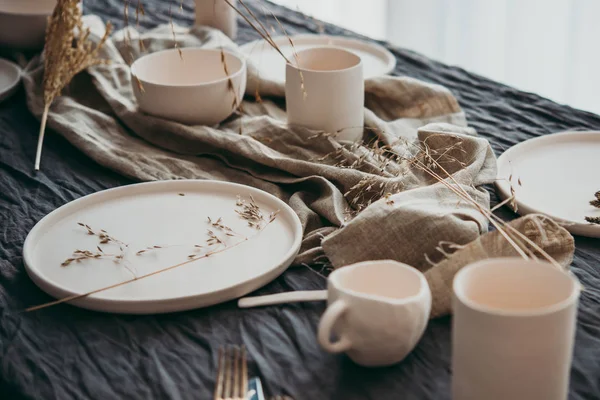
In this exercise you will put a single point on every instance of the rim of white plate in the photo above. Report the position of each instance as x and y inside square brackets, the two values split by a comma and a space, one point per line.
[503, 186]
[329, 40]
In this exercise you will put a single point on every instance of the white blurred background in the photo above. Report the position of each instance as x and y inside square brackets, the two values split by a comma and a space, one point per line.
[550, 47]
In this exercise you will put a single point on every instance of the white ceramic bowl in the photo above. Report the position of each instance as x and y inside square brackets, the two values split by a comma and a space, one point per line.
[192, 89]
[23, 23]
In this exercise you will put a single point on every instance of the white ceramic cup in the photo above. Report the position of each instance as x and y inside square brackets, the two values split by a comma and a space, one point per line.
[325, 91]
[217, 14]
[377, 309]
[192, 89]
[513, 330]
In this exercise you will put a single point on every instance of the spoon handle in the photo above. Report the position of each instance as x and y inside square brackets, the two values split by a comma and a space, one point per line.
[281, 298]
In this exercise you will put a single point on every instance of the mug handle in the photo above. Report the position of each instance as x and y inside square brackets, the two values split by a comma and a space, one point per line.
[328, 319]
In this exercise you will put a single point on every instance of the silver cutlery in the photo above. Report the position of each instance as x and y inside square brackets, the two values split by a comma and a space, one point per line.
[232, 374]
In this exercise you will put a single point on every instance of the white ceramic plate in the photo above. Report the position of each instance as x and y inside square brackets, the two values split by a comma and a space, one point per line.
[558, 177]
[376, 59]
[161, 213]
[10, 75]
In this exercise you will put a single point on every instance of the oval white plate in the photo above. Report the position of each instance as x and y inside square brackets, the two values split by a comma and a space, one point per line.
[558, 177]
[377, 60]
[163, 213]
[10, 75]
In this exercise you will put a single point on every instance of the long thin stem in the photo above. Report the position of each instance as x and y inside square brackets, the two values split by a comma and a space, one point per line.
[266, 36]
[38, 153]
[79, 296]
[495, 220]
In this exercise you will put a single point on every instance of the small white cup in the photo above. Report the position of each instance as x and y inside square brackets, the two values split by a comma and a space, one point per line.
[325, 91]
[217, 14]
[513, 330]
[377, 309]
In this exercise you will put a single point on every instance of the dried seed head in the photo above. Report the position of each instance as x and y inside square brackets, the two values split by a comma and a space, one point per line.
[593, 220]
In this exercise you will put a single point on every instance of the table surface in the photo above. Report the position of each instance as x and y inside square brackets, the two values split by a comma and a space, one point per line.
[65, 352]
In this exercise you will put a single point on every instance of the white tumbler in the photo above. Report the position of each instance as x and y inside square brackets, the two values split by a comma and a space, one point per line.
[217, 14]
[325, 91]
[513, 330]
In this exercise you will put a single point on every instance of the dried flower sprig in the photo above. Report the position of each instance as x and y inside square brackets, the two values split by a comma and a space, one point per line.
[218, 224]
[384, 161]
[251, 212]
[261, 30]
[191, 258]
[175, 43]
[236, 104]
[147, 249]
[103, 236]
[213, 238]
[595, 203]
[593, 220]
[67, 52]
[99, 253]
[79, 255]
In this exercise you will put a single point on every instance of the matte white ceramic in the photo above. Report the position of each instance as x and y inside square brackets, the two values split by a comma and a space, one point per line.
[192, 89]
[377, 309]
[23, 23]
[283, 298]
[556, 175]
[218, 14]
[376, 59]
[10, 75]
[325, 91]
[513, 330]
[161, 213]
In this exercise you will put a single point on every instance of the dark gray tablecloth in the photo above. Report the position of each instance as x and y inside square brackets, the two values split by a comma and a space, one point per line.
[65, 352]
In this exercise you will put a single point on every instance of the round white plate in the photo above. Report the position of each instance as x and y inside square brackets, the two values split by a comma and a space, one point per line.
[10, 75]
[377, 60]
[556, 175]
[167, 213]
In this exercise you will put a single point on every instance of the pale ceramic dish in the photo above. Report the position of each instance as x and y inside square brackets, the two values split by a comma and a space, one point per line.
[325, 91]
[192, 89]
[376, 59]
[377, 309]
[513, 330]
[10, 75]
[23, 23]
[160, 213]
[556, 175]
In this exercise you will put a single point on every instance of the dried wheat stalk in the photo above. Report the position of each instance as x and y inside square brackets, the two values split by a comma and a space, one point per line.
[260, 29]
[67, 52]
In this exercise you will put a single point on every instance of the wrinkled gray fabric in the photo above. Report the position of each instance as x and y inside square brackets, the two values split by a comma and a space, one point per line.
[70, 353]
[101, 117]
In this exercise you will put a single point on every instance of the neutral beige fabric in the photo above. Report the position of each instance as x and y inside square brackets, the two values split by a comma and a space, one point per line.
[547, 234]
[99, 115]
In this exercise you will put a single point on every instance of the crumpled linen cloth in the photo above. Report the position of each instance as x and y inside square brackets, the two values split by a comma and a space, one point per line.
[308, 170]
[552, 238]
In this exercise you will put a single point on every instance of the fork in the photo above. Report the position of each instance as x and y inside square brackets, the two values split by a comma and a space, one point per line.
[232, 374]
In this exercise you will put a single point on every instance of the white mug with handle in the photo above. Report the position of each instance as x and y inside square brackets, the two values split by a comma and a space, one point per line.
[377, 309]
